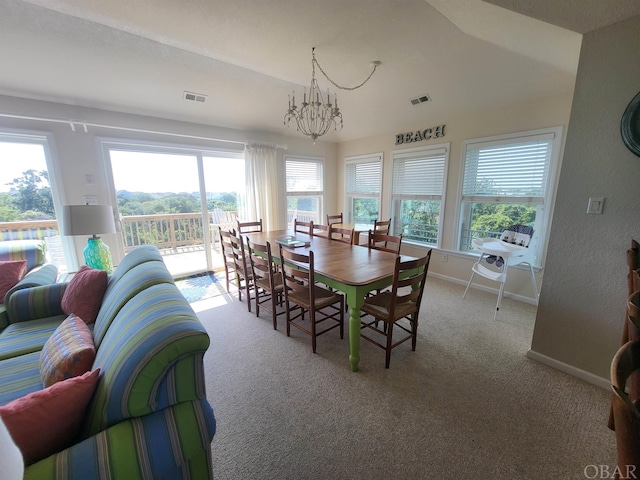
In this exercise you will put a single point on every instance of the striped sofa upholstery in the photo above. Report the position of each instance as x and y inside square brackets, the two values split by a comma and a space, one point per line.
[149, 417]
[37, 273]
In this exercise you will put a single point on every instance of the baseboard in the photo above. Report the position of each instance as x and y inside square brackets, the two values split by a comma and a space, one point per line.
[484, 288]
[570, 370]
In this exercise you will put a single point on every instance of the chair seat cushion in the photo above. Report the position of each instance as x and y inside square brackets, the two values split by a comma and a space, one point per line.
[27, 337]
[323, 297]
[379, 306]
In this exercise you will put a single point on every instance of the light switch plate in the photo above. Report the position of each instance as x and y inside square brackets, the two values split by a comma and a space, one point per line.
[90, 200]
[595, 205]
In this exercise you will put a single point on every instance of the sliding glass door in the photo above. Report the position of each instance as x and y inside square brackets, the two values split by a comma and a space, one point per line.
[174, 199]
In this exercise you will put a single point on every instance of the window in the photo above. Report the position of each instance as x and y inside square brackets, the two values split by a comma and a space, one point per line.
[508, 180]
[305, 184]
[27, 195]
[363, 179]
[419, 178]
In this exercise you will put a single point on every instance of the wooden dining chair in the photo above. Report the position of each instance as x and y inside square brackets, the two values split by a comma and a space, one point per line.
[344, 235]
[320, 230]
[331, 219]
[399, 307]
[385, 242]
[383, 226]
[303, 227]
[625, 369]
[244, 276]
[249, 227]
[302, 295]
[228, 259]
[267, 280]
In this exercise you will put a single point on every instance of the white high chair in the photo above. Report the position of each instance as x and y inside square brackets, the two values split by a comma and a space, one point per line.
[511, 254]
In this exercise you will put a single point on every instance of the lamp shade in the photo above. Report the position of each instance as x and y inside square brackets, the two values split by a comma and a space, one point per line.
[87, 220]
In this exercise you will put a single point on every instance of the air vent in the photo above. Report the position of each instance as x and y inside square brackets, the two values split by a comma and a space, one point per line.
[421, 99]
[195, 97]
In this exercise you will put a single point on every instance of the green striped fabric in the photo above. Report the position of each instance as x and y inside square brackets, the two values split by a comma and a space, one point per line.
[170, 444]
[19, 376]
[128, 285]
[142, 254]
[26, 337]
[44, 275]
[33, 251]
[37, 302]
[137, 357]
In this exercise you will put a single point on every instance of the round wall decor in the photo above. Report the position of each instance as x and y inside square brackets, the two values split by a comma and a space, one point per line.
[630, 125]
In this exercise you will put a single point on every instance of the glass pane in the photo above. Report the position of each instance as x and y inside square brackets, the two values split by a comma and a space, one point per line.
[26, 202]
[481, 220]
[417, 220]
[365, 210]
[306, 208]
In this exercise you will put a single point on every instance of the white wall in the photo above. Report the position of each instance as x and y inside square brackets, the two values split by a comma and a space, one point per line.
[582, 306]
[549, 112]
[76, 153]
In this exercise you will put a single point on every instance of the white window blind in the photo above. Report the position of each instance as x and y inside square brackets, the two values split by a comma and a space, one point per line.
[516, 169]
[419, 174]
[364, 177]
[304, 175]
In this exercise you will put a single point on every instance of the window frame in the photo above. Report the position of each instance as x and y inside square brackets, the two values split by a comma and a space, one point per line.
[304, 193]
[431, 152]
[350, 196]
[545, 202]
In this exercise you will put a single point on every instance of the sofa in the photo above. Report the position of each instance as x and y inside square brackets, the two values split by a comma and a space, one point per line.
[36, 270]
[148, 417]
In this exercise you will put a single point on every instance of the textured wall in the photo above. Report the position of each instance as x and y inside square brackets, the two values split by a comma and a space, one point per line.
[581, 308]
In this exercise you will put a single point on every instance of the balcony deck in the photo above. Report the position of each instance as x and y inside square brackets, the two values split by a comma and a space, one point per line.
[189, 260]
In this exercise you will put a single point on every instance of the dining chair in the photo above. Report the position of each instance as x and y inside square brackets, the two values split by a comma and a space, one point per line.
[267, 280]
[625, 368]
[344, 235]
[244, 276]
[383, 226]
[331, 219]
[302, 295]
[320, 230]
[399, 307]
[303, 227]
[385, 242]
[249, 227]
[228, 259]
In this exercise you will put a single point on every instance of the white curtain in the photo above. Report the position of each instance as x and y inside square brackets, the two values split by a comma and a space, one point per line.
[264, 197]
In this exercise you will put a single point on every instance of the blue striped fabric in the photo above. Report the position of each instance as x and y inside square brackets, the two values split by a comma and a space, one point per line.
[136, 356]
[147, 448]
[37, 302]
[26, 337]
[127, 286]
[19, 376]
[30, 250]
[44, 275]
[143, 254]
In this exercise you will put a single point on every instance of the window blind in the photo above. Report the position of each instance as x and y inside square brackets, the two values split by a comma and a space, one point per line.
[419, 174]
[304, 175]
[363, 177]
[516, 169]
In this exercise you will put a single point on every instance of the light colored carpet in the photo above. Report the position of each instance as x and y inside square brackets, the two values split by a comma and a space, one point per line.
[467, 404]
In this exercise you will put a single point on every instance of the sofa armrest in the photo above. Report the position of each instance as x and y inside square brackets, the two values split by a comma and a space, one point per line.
[37, 277]
[37, 302]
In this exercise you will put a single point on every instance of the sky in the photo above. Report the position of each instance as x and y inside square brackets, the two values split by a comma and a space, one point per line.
[136, 171]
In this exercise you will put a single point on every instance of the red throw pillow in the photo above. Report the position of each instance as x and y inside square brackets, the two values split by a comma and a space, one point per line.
[48, 421]
[11, 272]
[68, 352]
[84, 293]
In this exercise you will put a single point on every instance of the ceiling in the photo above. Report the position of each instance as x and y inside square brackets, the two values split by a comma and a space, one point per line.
[247, 56]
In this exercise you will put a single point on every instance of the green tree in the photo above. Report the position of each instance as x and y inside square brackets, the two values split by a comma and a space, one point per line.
[32, 195]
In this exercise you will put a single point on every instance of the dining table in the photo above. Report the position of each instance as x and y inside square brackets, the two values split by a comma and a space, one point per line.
[354, 270]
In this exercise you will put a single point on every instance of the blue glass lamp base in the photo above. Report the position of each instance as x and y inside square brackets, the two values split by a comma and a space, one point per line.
[98, 255]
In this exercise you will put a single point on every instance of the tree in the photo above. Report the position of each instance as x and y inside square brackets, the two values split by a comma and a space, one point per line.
[31, 194]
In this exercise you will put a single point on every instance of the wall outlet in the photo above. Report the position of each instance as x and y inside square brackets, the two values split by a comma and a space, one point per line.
[445, 257]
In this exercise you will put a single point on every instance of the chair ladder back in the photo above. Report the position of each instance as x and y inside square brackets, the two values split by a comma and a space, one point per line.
[331, 219]
[249, 227]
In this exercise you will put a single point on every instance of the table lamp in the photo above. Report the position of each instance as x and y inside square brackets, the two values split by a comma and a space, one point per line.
[91, 220]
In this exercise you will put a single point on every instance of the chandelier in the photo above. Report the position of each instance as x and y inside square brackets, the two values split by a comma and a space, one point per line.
[316, 116]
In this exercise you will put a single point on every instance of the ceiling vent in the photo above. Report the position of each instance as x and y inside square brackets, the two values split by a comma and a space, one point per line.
[421, 99]
[195, 97]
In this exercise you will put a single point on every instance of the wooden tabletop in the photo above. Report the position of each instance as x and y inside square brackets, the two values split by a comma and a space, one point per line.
[347, 264]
